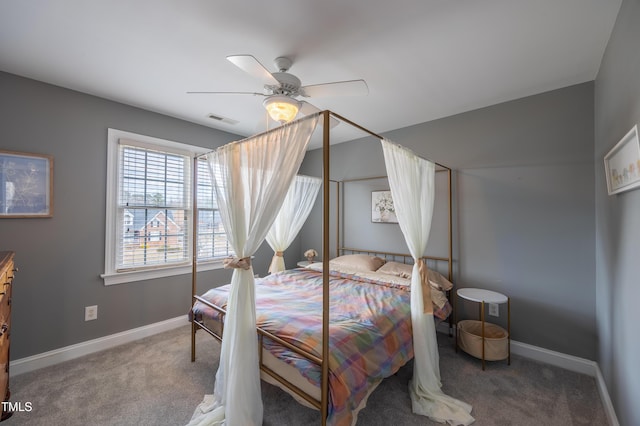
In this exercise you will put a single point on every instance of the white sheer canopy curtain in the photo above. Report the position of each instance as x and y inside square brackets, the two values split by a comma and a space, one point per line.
[294, 212]
[412, 183]
[251, 179]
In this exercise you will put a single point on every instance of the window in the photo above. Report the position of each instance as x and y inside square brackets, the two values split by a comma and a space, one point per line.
[150, 210]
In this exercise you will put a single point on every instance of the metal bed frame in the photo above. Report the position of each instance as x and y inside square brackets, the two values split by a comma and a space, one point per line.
[322, 361]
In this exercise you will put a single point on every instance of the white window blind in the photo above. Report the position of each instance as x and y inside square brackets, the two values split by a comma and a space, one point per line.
[212, 239]
[153, 208]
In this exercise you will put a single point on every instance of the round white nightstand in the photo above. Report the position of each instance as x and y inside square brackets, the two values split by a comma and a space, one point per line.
[481, 297]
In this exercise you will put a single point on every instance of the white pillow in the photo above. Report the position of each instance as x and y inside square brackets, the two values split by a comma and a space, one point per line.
[396, 268]
[359, 262]
[404, 270]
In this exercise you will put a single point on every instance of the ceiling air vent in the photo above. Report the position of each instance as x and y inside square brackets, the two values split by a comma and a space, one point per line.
[222, 119]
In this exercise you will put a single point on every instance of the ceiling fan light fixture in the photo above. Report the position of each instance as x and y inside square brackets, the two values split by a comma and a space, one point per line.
[281, 108]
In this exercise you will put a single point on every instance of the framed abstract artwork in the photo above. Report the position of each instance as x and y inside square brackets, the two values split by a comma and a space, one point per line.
[622, 164]
[26, 185]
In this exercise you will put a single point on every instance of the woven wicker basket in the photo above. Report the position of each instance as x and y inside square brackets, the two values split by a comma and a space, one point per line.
[496, 340]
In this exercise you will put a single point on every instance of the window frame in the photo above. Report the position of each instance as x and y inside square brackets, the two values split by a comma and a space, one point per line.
[111, 275]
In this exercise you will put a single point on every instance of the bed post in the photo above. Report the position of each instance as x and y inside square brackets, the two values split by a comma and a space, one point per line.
[194, 253]
[324, 389]
[338, 218]
[451, 296]
[450, 225]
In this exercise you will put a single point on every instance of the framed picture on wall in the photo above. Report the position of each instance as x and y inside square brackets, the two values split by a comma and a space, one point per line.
[26, 185]
[622, 164]
[382, 208]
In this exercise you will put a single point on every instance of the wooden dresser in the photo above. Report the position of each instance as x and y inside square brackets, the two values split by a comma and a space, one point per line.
[7, 270]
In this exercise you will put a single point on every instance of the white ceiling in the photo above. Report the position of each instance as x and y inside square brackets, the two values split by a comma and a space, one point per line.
[422, 59]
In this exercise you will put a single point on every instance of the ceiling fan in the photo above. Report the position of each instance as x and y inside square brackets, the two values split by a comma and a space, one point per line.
[281, 88]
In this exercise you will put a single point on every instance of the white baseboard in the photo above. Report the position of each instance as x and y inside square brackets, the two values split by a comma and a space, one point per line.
[568, 362]
[558, 359]
[31, 363]
[606, 399]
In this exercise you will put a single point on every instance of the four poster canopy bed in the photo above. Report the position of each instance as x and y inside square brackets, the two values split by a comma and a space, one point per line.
[329, 333]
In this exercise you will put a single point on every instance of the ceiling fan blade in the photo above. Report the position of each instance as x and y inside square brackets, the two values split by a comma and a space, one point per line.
[226, 93]
[252, 66]
[338, 88]
[306, 108]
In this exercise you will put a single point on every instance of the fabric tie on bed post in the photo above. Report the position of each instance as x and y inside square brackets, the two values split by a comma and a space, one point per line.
[293, 214]
[235, 262]
[412, 183]
[251, 179]
[423, 271]
[277, 262]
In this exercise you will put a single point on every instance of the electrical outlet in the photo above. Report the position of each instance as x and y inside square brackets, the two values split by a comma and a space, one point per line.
[90, 313]
[493, 310]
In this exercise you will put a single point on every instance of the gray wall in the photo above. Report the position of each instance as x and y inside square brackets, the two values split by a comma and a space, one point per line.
[60, 258]
[364, 160]
[617, 110]
[524, 207]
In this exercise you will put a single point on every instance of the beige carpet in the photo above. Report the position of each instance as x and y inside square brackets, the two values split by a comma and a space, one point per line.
[152, 382]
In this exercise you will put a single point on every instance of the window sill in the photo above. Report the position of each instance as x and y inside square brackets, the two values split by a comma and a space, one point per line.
[113, 278]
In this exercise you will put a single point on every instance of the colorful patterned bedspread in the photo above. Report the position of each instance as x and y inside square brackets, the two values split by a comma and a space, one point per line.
[370, 329]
